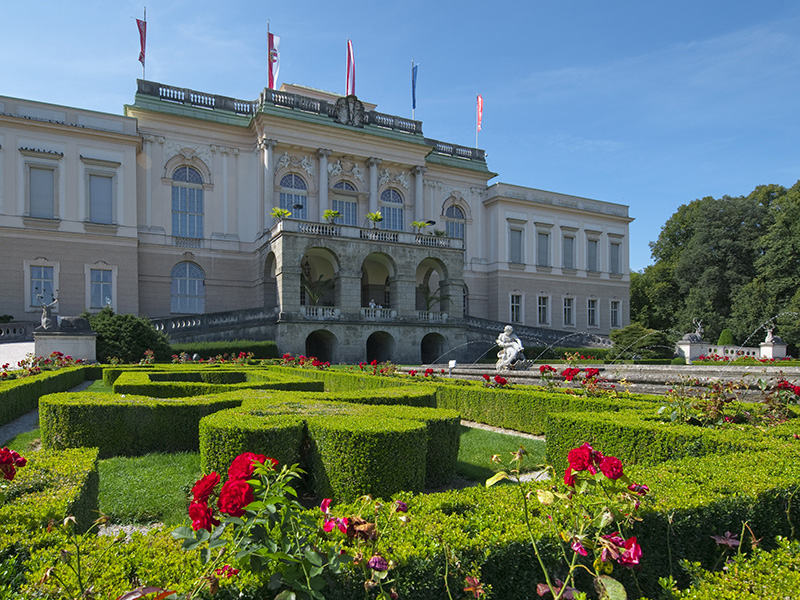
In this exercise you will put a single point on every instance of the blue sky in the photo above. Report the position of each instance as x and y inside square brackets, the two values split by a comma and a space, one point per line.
[651, 104]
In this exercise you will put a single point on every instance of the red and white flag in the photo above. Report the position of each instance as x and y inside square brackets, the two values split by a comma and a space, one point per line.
[142, 25]
[273, 57]
[480, 111]
[350, 82]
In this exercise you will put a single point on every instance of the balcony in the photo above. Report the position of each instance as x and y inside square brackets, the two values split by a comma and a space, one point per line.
[320, 313]
[384, 236]
[378, 314]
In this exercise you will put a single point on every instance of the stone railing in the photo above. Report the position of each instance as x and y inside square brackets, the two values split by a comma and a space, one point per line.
[232, 319]
[322, 229]
[320, 313]
[187, 242]
[432, 316]
[195, 98]
[17, 332]
[457, 151]
[380, 235]
[435, 241]
[537, 336]
[378, 314]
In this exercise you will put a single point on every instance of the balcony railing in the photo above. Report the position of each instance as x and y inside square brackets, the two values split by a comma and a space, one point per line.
[378, 314]
[371, 235]
[431, 316]
[320, 313]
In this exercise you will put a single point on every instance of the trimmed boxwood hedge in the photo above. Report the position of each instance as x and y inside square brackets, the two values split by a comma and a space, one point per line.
[125, 425]
[260, 349]
[332, 432]
[21, 396]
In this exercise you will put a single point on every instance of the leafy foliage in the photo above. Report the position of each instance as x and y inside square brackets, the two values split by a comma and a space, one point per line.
[127, 337]
[635, 340]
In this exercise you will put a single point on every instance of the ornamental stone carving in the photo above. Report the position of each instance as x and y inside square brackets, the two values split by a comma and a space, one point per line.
[346, 165]
[287, 160]
[350, 111]
[188, 151]
[401, 178]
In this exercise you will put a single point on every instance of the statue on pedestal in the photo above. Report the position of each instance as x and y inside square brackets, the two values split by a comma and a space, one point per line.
[510, 348]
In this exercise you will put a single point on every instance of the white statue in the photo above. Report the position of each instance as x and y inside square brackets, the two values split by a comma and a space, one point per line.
[510, 348]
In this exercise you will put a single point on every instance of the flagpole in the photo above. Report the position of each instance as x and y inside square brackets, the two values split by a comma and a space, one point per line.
[269, 57]
[413, 90]
[477, 109]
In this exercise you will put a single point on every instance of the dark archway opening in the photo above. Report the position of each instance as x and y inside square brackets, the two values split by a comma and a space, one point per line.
[431, 348]
[321, 344]
[380, 347]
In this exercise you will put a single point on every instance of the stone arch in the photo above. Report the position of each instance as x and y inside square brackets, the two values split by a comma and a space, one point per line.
[380, 346]
[319, 268]
[430, 274]
[186, 157]
[270, 283]
[431, 348]
[378, 271]
[322, 344]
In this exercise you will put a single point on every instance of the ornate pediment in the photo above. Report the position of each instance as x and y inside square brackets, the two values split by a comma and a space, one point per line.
[350, 111]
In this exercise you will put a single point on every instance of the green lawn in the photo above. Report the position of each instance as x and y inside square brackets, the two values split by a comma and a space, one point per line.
[156, 487]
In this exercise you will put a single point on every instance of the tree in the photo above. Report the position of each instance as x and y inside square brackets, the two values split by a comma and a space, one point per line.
[126, 337]
[636, 341]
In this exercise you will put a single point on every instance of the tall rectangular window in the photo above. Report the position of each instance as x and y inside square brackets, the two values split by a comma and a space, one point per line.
[543, 249]
[392, 218]
[348, 210]
[568, 252]
[591, 312]
[543, 310]
[614, 258]
[42, 191]
[42, 284]
[100, 199]
[515, 239]
[516, 308]
[615, 316]
[187, 212]
[591, 255]
[569, 316]
[100, 291]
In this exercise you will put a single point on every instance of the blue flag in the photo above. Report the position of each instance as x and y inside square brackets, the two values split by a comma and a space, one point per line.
[413, 85]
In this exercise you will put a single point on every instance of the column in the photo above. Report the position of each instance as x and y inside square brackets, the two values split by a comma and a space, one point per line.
[267, 144]
[373, 164]
[419, 202]
[323, 154]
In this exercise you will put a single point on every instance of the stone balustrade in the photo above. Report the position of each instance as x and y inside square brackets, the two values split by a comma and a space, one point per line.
[378, 314]
[17, 332]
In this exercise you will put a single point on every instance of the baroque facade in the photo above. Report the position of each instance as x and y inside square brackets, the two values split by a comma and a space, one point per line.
[395, 243]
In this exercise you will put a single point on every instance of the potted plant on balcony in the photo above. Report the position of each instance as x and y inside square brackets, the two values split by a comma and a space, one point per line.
[376, 217]
[315, 290]
[419, 226]
[331, 215]
[280, 213]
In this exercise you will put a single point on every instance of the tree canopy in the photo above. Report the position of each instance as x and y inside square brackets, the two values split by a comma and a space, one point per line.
[733, 262]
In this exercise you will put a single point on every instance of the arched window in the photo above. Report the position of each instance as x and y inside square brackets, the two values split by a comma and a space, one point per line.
[346, 204]
[392, 210]
[454, 222]
[187, 289]
[187, 204]
[294, 196]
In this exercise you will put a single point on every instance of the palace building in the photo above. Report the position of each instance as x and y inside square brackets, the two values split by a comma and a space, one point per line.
[396, 246]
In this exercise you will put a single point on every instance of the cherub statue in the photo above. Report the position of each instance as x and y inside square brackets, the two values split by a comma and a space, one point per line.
[510, 348]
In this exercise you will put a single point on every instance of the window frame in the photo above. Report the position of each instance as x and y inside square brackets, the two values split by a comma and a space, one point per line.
[592, 316]
[514, 229]
[345, 200]
[543, 243]
[568, 318]
[571, 254]
[27, 266]
[517, 307]
[101, 266]
[543, 310]
[187, 297]
[455, 226]
[392, 211]
[289, 196]
[615, 314]
[196, 217]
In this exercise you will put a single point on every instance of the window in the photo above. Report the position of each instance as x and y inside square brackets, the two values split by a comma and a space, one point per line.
[613, 258]
[187, 289]
[569, 316]
[42, 285]
[100, 199]
[615, 304]
[391, 212]
[465, 292]
[591, 312]
[516, 308]
[568, 252]
[591, 255]
[100, 288]
[294, 196]
[42, 190]
[454, 222]
[346, 206]
[515, 254]
[543, 310]
[187, 203]
[543, 249]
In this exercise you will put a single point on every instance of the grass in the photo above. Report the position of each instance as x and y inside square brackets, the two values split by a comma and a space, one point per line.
[156, 487]
[99, 387]
[479, 445]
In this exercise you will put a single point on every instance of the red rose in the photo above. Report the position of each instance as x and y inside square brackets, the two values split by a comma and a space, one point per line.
[204, 486]
[632, 553]
[611, 467]
[242, 466]
[580, 458]
[202, 516]
[234, 496]
[569, 477]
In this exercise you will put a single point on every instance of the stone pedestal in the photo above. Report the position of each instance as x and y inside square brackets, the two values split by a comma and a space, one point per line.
[77, 345]
[691, 350]
[773, 349]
